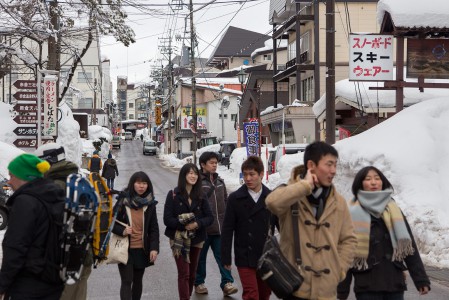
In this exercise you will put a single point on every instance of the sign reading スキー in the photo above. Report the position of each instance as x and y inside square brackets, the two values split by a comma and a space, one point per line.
[370, 57]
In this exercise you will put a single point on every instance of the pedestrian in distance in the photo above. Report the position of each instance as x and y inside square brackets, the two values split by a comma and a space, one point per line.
[25, 272]
[109, 171]
[216, 193]
[327, 236]
[186, 216]
[247, 221]
[59, 171]
[385, 248]
[138, 213]
[95, 164]
[141, 137]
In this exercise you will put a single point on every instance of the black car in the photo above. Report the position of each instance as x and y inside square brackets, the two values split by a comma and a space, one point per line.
[225, 152]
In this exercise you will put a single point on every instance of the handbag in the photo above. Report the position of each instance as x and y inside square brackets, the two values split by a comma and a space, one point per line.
[273, 267]
[118, 248]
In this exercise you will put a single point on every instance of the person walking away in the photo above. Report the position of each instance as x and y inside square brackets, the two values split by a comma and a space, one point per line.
[186, 217]
[385, 248]
[22, 273]
[215, 189]
[247, 221]
[138, 213]
[110, 170]
[141, 137]
[59, 171]
[327, 236]
[95, 164]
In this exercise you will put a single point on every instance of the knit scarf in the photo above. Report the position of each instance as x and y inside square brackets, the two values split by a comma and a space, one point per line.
[139, 202]
[318, 200]
[182, 241]
[380, 205]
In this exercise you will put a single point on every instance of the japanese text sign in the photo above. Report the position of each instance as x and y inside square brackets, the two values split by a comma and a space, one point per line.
[251, 136]
[370, 57]
[50, 107]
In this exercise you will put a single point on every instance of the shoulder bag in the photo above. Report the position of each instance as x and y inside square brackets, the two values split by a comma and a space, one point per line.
[273, 267]
[118, 248]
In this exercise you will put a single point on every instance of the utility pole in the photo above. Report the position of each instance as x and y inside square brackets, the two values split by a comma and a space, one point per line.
[192, 65]
[94, 115]
[330, 66]
[168, 50]
[54, 62]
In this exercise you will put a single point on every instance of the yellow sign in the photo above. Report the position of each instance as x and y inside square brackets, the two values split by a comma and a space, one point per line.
[199, 111]
[158, 113]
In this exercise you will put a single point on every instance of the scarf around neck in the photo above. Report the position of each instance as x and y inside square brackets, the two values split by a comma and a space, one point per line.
[378, 204]
[139, 202]
[318, 200]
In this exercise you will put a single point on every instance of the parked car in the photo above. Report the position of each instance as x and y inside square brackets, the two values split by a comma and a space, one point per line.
[5, 192]
[128, 136]
[224, 154]
[149, 146]
[115, 141]
[289, 149]
[271, 163]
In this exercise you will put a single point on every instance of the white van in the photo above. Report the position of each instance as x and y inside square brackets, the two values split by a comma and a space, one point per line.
[289, 149]
[128, 135]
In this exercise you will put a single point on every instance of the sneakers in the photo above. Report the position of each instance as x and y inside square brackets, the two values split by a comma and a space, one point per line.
[229, 289]
[201, 289]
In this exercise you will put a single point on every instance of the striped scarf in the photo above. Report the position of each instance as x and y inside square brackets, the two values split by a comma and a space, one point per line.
[182, 241]
[380, 205]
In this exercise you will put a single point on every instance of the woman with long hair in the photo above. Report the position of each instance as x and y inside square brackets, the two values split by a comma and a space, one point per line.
[186, 215]
[137, 219]
[385, 248]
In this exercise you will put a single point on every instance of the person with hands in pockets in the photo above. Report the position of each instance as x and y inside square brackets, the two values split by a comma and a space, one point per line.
[137, 219]
[326, 233]
[186, 215]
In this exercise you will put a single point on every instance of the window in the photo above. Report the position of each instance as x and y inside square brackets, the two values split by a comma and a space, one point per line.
[225, 116]
[307, 89]
[84, 77]
[267, 57]
[233, 117]
[130, 105]
[305, 42]
[131, 116]
[85, 103]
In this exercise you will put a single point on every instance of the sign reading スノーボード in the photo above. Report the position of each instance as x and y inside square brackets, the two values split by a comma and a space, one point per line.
[370, 57]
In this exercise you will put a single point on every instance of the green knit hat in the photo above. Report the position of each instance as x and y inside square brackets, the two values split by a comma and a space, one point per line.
[28, 167]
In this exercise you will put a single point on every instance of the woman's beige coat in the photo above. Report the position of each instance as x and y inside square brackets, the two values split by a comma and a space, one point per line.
[328, 245]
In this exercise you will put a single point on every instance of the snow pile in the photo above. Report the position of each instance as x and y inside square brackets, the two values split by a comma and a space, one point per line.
[7, 153]
[95, 133]
[211, 148]
[8, 125]
[68, 135]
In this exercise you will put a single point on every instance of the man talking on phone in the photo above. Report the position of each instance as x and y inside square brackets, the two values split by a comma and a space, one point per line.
[325, 228]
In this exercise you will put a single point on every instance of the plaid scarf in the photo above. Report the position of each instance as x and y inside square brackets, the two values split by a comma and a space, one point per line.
[182, 241]
[380, 205]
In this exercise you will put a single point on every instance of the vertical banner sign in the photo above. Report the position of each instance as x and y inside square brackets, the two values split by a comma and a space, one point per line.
[50, 107]
[370, 57]
[251, 136]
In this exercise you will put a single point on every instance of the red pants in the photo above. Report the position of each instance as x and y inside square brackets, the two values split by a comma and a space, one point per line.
[186, 273]
[254, 288]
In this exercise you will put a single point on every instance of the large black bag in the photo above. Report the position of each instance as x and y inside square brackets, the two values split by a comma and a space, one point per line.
[281, 276]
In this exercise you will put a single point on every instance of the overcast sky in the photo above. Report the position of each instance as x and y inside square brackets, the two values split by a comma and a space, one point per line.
[151, 27]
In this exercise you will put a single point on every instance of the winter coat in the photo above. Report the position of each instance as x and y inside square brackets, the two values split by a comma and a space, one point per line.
[95, 164]
[26, 237]
[150, 225]
[383, 275]
[176, 204]
[110, 169]
[248, 222]
[59, 172]
[217, 196]
[327, 246]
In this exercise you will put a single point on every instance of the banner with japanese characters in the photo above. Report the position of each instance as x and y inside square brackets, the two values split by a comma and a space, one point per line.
[50, 107]
[251, 137]
[370, 57]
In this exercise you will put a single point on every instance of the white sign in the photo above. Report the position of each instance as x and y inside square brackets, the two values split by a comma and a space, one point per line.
[50, 123]
[370, 57]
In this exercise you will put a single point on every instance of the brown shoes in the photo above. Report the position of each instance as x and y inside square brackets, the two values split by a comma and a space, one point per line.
[201, 289]
[229, 289]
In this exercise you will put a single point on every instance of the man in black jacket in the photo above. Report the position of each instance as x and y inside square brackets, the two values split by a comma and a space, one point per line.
[247, 221]
[215, 189]
[24, 244]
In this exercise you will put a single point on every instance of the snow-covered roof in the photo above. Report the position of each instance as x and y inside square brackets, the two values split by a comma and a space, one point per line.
[268, 46]
[415, 13]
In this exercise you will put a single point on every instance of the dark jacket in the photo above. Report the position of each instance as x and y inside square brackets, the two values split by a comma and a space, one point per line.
[217, 196]
[110, 169]
[150, 227]
[382, 274]
[176, 204]
[248, 222]
[26, 237]
[94, 164]
[59, 172]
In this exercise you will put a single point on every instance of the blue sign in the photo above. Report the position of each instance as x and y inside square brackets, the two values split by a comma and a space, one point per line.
[251, 137]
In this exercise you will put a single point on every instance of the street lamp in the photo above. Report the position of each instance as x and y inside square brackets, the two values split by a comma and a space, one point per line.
[242, 78]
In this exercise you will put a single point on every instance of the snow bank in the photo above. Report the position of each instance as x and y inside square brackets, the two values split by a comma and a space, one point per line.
[68, 135]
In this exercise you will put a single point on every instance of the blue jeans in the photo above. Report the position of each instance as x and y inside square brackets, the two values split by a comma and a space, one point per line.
[110, 183]
[380, 296]
[214, 242]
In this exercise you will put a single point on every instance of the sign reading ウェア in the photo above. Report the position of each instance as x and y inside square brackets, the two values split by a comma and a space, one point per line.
[370, 57]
